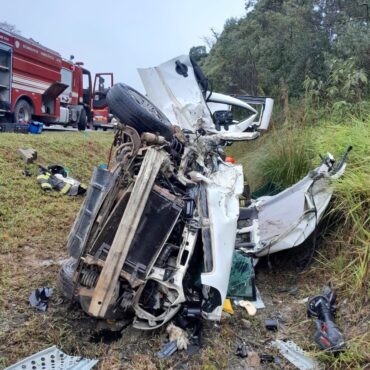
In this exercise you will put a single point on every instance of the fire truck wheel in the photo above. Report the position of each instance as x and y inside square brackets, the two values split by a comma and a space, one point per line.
[82, 123]
[137, 111]
[22, 111]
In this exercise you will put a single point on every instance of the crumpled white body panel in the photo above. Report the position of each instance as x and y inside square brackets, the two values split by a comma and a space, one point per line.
[223, 191]
[178, 97]
[287, 219]
[181, 100]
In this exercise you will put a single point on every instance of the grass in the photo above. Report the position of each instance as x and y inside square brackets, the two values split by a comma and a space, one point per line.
[33, 230]
[285, 155]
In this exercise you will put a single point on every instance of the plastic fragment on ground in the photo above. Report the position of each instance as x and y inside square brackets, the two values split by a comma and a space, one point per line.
[253, 359]
[228, 307]
[178, 335]
[242, 350]
[249, 306]
[53, 359]
[39, 298]
[167, 350]
[271, 324]
[258, 303]
[295, 355]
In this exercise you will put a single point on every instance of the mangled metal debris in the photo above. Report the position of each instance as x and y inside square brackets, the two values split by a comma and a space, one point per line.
[295, 355]
[286, 220]
[53, 358]
[158, 229]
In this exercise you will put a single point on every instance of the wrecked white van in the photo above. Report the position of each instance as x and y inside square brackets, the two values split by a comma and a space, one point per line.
[158, 229]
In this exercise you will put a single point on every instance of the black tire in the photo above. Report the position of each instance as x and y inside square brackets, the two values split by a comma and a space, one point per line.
[65, 280]
[82, 123]
[135, 110]
[22, 111]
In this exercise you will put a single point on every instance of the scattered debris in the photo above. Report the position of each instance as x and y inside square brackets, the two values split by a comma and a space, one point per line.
[293, 291]
[28, 155]
[271, 324]
[304, 300]
[167, 350]
[295, 355]
[228, 307]
[249, 306]
[178, 336]
[178, 340]
[264, 357]
[253, 359]
[327, 334]
[258, 303]
[190, 319]
[53, 358]
[39, 298]
[26, 172]
[246, 323]
[242, 350]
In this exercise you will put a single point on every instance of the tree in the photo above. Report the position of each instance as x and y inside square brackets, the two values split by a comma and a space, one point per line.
[198, 53]
[9, 27]
[279, 44]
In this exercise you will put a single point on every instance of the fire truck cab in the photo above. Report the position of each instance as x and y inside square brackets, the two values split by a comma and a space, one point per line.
[101, 117]
[37, 84]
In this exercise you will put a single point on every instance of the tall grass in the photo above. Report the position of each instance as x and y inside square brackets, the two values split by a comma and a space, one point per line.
[281, 156]
[352, 200]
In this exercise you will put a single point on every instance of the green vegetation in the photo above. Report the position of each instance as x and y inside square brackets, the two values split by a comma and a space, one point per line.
[22, 207]
[279, 44]
[33, 229]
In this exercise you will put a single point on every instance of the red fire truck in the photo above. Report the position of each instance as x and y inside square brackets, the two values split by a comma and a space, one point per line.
[36, 83]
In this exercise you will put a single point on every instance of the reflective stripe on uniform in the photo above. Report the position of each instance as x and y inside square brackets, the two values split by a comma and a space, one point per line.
[42, 178]
[65, 188]
[46, 186]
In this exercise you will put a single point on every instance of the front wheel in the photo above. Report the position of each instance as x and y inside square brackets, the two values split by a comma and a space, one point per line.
[135, 110]
[22, 111]
[82, 123]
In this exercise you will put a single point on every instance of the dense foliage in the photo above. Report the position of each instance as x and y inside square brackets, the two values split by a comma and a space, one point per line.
[293, 48]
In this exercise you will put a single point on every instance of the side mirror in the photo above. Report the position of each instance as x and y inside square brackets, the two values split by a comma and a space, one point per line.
[222, 118]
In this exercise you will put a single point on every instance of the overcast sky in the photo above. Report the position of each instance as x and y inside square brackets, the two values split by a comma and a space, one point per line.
[120, 35]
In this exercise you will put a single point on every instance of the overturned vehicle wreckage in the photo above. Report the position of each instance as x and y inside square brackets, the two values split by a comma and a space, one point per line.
[158, 229]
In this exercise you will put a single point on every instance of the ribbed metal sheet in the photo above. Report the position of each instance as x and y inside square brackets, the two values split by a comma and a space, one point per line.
[53, 359]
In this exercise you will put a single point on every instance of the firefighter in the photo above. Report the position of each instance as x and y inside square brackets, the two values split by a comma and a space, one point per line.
[55, 178]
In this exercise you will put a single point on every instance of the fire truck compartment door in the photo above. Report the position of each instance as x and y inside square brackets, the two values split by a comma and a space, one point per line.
[54, 90]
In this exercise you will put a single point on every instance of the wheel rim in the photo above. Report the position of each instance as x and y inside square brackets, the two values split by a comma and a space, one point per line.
[24, 115]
